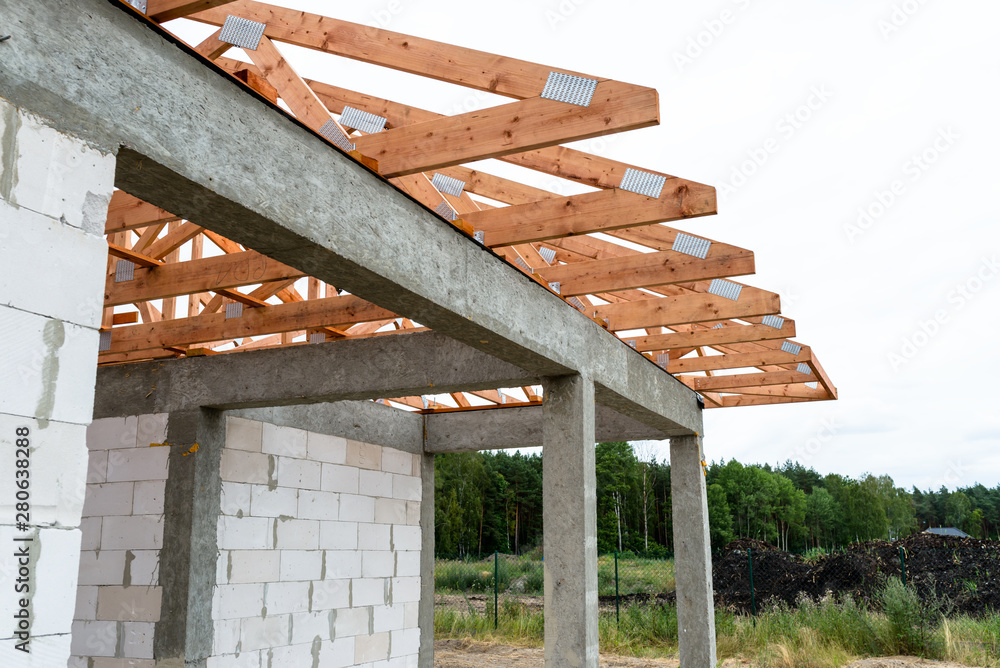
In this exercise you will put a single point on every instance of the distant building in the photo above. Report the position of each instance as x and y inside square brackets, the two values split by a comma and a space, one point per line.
[947, 531]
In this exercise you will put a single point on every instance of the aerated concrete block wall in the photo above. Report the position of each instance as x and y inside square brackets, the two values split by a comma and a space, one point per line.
[319, 551]
[54, 194]
[118, 597]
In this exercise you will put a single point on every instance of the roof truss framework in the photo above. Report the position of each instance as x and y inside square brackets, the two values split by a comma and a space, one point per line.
[663, 301]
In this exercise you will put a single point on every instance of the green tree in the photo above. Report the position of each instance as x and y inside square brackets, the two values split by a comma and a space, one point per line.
[957, 509]
[720, 520]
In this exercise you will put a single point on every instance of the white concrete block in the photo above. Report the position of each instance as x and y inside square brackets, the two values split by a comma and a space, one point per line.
[26, 285]
[246, 659]
[407, 564]
[405, 590]
[331, 594]
[240, 466]
[142, 463]
[137, 532]
[343, 564]
[112, 433]
[90, 533]
[388, 617]
[151, 429]
[411, 614]
[338, 654]
[57, 465]
[364, 455]
[318, 505]
[405, 487]
[375, 483]
[325, 448]
[235, 498]
[237, 600]
[106, 567]
[413, 513]
[283, 441]
[406, 537]
[221, 567]
[62, 177]
[243, 434]
[354, 508]
[46, 651]
[265, 502]
[54, 578]
[377, 564]
[293, 655]
[286, 597]
[226, 637]
[368, 591]
[390, 511]
[86, 603]
[113, 498]
[261, 633]
[297, 534]
[375, 537]
[340, 478]
[353, 622]
[137, 640]
[404, 642]
[94, 639]
[397, 461]
[144, 567]
[338, 535]
[243, 566]
[77, 662]
[299, 473]
[246, 533]
[97, 467]
[50, 367]
[129, 604]
[147, 499]
[307, 626]
[301, 564]
[371, 648]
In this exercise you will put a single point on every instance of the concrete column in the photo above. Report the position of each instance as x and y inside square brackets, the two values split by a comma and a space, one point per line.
[692, 554]
[54, 194]
[425, 614]
[569, 496]
[191, 504]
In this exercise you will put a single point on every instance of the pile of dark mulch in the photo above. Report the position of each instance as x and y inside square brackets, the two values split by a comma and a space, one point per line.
[964, 571]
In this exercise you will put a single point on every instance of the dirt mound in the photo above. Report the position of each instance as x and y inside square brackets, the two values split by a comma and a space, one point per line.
[965, 571]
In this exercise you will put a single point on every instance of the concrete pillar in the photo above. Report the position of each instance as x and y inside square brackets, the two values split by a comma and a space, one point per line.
[569, 496]
[425, 614]
[692, 554]
[54, 194]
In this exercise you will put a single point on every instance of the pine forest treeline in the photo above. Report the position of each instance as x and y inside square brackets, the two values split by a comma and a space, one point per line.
[493, 501]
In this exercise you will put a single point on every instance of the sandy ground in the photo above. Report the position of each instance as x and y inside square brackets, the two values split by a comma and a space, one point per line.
[465, 653]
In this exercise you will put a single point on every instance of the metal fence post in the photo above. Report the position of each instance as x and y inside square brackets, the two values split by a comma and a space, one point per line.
[496, 589]
[618, 612]
[753, 600]
[902, 562]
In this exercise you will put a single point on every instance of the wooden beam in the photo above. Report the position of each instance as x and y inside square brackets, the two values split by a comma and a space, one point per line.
[511, 128]
[795, 390]
[644, 270]
[166, 10]
[126, 212]
[210, 274]
[212, 47]
[495, 187]
[136, 258]
[668, 311]
[737, 361]
[332, 311]
[740, 380]
[742, 400]
[730, 333]
[173, 240]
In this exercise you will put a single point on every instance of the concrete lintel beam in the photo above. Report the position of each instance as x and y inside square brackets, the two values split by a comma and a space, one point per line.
[196, 143]
[518, 427]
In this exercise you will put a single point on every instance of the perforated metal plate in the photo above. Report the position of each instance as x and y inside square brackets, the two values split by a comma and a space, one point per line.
[138, 4]
[445, 211]
[663, 359]
[723, 288]
[643, 183]
[522, 264]
[104, 342]
[547, 254]
[719, 326]
[693, 246]
[577, 303]
[362, 120]
[241, 32]
[332, 131]
[124, 271]
[234, 310]
[317, 337]
[479, 236]
[775, 321]
[631, 343]
[790, 347]
[569, 88]
[448, 185]
[556, 287]
[803, 368]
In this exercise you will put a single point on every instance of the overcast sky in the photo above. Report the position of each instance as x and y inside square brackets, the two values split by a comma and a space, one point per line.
[853, 145]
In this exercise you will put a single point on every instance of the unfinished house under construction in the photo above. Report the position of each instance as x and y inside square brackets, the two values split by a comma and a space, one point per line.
[242, 311]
